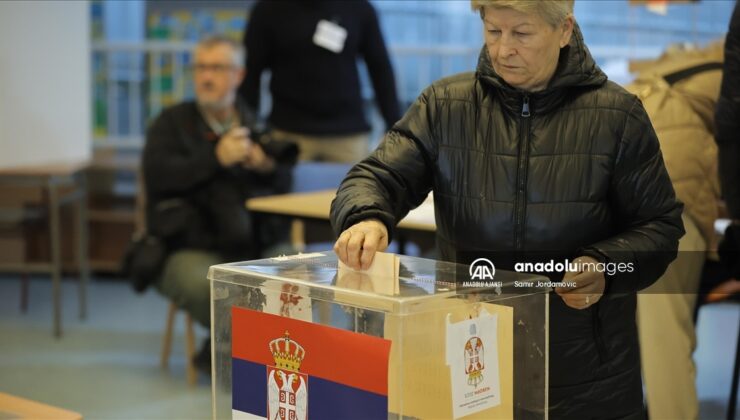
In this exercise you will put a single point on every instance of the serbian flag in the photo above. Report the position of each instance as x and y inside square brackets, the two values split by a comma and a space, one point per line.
[289, 369]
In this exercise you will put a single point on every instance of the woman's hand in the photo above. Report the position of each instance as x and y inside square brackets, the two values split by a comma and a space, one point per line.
[589, 288]
[357, 245]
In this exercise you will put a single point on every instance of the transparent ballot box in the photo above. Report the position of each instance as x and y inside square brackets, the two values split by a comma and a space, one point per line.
[299, 337]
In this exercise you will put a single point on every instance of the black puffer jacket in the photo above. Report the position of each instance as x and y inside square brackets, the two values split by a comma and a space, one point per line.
[727, 119]
[575, 169]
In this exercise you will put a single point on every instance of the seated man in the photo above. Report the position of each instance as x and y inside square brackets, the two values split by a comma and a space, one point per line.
[201, 161]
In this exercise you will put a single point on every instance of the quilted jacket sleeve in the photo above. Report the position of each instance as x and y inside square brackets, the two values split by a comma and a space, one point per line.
[648, 214]
[396, 177]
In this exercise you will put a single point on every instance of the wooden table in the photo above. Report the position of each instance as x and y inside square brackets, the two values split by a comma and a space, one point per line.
[12, 407]
[317, 204]
[71, 177]
[114, 214]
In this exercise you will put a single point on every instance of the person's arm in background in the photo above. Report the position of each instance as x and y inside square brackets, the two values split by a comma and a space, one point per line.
[271, 164]
[646, 210]
[727, 119]
[168, 168]
[256, 43]
[271, 161]
[374, 52]
[380, 190]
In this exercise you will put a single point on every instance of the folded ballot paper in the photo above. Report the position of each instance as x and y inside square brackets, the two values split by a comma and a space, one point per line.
[381, 277]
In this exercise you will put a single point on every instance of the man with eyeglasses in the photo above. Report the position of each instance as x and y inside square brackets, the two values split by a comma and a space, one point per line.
[201, 161]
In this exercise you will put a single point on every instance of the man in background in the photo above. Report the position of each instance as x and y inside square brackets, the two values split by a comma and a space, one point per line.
[201, 161]
[727, 119]
[311, 49]
[679, 91]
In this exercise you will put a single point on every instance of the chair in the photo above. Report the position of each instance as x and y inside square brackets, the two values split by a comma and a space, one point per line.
[13, 218]
[192, 372]
[315, 176]
[27, 203]
[164, 360]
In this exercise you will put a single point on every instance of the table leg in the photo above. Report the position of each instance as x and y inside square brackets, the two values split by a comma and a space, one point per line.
[298, 235]
[83, 249]
[56, 257]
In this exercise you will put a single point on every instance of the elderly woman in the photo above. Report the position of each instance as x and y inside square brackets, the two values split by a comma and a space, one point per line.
[534, 152]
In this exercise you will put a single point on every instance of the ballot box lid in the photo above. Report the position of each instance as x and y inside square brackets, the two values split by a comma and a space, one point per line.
[422, 284]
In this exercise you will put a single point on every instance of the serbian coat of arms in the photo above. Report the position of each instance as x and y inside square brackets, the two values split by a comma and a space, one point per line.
[474, 363]
[287, 387]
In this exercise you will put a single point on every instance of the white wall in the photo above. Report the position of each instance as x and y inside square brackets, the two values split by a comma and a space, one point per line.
[45, 97]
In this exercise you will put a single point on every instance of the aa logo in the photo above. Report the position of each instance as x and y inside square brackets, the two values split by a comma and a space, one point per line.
[482, 269]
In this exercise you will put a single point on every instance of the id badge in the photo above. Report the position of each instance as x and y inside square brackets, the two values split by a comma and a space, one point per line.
[330, 36]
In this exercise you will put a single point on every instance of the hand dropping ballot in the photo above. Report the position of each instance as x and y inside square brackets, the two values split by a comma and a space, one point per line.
[472, 356]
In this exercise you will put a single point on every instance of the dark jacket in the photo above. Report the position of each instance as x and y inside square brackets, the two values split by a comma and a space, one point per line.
[727, 119]
[193, 199]
[316, 91]
[573, 170]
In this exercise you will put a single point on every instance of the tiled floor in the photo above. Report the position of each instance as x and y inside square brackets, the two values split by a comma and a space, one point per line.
[108, 366]
[105, 367]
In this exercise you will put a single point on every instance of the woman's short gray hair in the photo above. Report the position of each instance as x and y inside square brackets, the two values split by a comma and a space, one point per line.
[553, 11]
